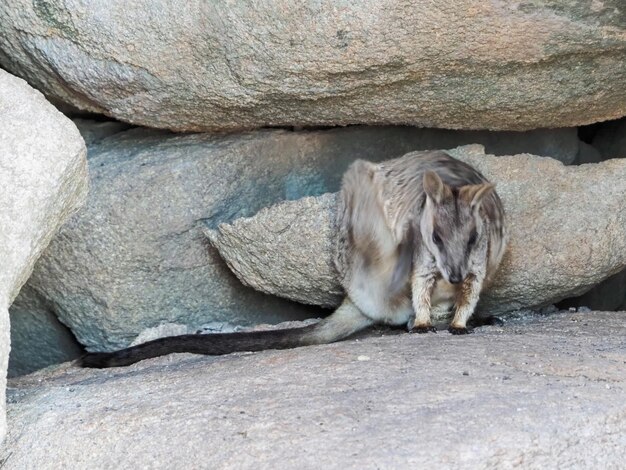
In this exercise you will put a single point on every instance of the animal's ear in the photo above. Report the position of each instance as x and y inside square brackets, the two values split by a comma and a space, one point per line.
[475, 193]
[434, 187]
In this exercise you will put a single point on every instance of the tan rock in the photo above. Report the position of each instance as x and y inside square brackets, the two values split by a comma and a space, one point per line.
[43, 180]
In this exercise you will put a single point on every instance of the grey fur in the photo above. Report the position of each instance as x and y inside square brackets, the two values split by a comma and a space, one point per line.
[389, 212]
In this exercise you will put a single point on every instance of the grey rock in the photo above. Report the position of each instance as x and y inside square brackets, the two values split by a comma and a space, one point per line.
[38, 338]
[544, 393]
[135, 256]
[161, 331]
[43, 180]
[567, 224]
[610, 139]
[95, 131]
[561, 144]
[465, 64]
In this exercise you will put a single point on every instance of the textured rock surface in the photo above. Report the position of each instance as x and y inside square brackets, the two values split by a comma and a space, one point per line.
[95, 131]
[43, 179]
[296, 238]
[562, 144]
[135, 256]
[38, 338]
[567, 223]
[609, 141]
[544, 394]
[247, 64]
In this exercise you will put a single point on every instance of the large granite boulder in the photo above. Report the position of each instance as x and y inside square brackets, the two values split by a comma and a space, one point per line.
[43, 176]
[546, 393]
[608, 140]
[462, 64]
[567, 225]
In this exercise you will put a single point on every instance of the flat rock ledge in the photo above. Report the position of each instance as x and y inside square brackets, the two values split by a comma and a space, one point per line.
[539, 392]
[567, 233]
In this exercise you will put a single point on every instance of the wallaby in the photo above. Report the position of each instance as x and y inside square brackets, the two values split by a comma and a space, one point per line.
[421, 231]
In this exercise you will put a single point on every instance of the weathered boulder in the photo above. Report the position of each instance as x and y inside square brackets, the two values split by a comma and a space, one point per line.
[561, 144]
[95, 131]
[135, 256]
[297, 237]
[462, 64]
[546, 393]
[43, 179]
[567, 223]
[38, 338]
[608, 141]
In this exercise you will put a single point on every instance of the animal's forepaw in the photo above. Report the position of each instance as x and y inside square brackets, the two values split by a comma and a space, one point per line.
[455, 330]
[423, 329]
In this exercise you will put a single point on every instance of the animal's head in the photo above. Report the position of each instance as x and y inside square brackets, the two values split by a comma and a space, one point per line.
[451, 225]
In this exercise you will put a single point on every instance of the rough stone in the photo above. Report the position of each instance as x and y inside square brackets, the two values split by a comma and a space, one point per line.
[95, 131]
[43, 176]
[135, 256]
[461, 64]
[544, 392]
[561, 144]
[38, 338]
[567, 224]
[296, 237]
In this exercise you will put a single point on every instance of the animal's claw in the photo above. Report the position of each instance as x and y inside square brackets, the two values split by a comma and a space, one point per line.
[423, 329]
[455, 330]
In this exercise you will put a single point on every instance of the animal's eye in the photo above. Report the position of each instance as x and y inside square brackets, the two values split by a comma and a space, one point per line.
[437, 239]
[472, 239]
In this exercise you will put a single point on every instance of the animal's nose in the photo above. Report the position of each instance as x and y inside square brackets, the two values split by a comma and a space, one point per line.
[455, 278]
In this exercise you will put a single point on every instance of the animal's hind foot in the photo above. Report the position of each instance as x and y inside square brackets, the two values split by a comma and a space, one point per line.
[455, 330]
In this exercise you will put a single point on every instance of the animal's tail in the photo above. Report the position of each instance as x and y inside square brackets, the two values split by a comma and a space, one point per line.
[346, 320]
